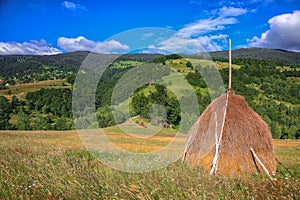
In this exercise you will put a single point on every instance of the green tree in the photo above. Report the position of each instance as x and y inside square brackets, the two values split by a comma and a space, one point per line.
[62, 124]
[5, 110]
[105, 116]
[42, 123]
[139, 105]
[14, 103]
[23, 122]
[159, 96]
[173, 111]
[189, 65]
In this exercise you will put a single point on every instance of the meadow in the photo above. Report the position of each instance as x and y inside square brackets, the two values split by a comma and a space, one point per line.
[20, 90]
[56, 165]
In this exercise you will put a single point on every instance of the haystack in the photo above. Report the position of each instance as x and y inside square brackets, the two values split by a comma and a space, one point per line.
[230, 138]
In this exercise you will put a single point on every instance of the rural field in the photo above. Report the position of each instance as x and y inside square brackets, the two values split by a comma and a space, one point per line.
[20, 90]
[56, 165]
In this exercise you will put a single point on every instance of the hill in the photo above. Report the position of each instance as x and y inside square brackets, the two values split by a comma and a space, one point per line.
[27, 68]
[276, 55]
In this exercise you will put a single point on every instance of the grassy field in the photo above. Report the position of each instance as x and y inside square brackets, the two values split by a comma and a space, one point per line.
[56, 165]
[20, 90]
[218, 65]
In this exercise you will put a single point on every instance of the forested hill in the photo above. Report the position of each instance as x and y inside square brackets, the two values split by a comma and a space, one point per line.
[277, 55]
[20, 65]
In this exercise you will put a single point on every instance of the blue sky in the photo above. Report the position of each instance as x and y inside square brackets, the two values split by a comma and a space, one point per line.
[50, 27]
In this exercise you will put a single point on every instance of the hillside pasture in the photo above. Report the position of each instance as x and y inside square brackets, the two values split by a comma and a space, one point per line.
[20, 90]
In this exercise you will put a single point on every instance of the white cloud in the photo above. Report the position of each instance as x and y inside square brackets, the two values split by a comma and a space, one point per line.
[283, 33]
[76, 44]
[111, 46]
[224, 16]
[82, 44]
[179, 44]
[204, 34]
[204, 26]
[28, 48]
[232, 11]
[73, 6]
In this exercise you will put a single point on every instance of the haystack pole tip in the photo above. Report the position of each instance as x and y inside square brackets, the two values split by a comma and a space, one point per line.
[229, 85]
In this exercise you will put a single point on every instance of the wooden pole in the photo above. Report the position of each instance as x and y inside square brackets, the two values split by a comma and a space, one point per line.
[213, 169]
[214, 165]
[229, 85]
[261, 164]
[285, 167]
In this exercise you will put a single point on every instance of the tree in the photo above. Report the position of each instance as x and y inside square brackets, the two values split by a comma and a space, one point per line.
[159, 96]
[189, 65]
[5, 110]
[14, 103]
[42, 123]
[105, 116]
[173, 111]
[23, 121]
[139, 105]
[62, 124]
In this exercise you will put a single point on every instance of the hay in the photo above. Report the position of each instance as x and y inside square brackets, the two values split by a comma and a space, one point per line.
[242, 130]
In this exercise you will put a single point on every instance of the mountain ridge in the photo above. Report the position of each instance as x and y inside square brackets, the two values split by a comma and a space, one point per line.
[278, 55]
[10, 65]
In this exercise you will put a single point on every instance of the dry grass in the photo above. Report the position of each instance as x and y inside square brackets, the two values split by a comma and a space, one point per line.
[286, 143]
[55, 165]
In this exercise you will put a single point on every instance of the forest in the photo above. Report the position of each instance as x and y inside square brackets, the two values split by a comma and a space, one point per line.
[271, 88]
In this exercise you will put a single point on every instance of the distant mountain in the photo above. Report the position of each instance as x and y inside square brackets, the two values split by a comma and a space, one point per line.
[71, 58]
[278, 55]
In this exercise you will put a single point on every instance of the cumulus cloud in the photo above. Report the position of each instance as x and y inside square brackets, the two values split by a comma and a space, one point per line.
[283, 33]
[75, 44]
[82, 44]
[28, 48]
[73, 6]
[110, 46]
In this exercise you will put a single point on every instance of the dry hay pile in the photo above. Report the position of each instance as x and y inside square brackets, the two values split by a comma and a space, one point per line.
[242, 129]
